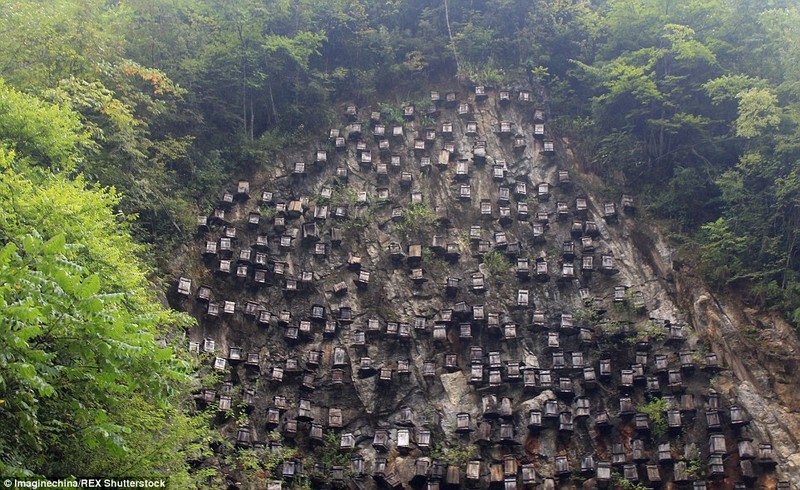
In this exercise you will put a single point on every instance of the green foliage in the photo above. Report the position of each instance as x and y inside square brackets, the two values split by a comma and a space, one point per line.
[358, 224]
[75, 355]
[486, 72]
[111, 118]
[427, 255]
[47, 42]
[85, 382]
[677, 199]
[722, 252]
[265, 149]
[619, 150]
[750, 332]
[626, 309]
[585, 316]
[496, 263]
[84, 216]
[456, 454]
[795, 314]
[758, 228]
[612, 328]
[704, 108]
[694, 469]
[328, 455]
[695, 105]
[758, 111]
[780, 27]
[625, 484]
[680, 97]
[252, 61]
[301, 483]
[656, 409]
[418, 219]
[391, 114]
[648, 330]
[40, 133]
[342, 194]
[256, 466]
[728, 86]
[161, 441]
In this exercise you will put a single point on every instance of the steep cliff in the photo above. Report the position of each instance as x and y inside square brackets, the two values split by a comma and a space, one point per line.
[456, 303]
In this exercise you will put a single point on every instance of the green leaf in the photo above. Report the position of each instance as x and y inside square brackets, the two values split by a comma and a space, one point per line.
[30, 245]
[90, 286]
[8, 250]
[758, 110]
[55, 244]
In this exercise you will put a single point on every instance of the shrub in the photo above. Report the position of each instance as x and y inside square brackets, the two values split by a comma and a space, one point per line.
[656, 408]
[496, 263]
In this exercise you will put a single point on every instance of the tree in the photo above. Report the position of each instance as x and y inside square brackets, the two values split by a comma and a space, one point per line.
[42, 134]
[758, 111]
[79, 330]
[82, 373]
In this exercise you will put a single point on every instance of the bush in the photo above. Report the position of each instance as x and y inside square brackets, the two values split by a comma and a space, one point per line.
[656, 408]
[496, 263]
[625, 484]
[417, 219]
[649, 330]
[457, 454]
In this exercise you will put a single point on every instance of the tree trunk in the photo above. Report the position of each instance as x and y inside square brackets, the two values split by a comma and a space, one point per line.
[244, 99]
[244, 76]
[450, 35]
[272, 104]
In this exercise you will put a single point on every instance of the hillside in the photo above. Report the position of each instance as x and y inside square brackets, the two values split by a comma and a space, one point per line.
[268, 243]
[442, 294]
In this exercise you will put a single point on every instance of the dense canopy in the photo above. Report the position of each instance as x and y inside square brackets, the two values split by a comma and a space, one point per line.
[119, 118]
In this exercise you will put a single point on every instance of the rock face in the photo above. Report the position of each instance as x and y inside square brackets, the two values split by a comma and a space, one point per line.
[452, 302]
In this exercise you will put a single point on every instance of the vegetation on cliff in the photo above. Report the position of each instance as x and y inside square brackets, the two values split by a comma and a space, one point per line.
[118, 120]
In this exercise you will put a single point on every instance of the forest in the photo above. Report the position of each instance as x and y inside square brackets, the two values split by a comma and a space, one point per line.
[120, 118]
